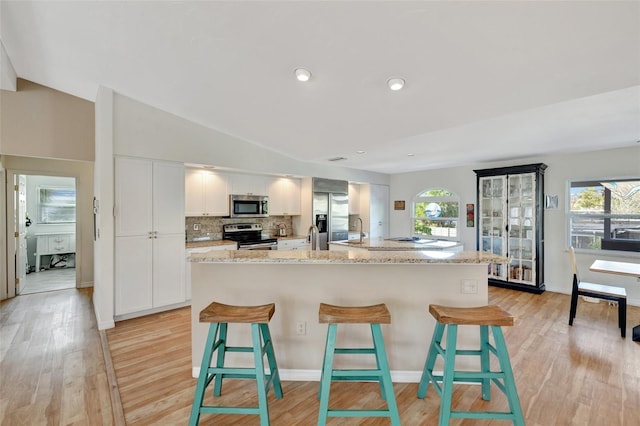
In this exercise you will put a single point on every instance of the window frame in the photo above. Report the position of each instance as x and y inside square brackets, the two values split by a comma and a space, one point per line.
[627, 246]
[437, 199]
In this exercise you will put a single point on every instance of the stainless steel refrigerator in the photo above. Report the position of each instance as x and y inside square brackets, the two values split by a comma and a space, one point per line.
[331, 210]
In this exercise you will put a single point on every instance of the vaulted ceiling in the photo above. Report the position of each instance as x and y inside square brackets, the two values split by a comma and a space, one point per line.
[485, 80]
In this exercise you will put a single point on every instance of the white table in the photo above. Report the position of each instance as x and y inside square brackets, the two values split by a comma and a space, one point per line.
[619, 268]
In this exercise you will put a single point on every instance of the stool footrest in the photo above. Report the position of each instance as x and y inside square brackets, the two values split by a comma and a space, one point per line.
[355, 351]
[238, 349]
[356, 374]
[358, 413]
[206, 409]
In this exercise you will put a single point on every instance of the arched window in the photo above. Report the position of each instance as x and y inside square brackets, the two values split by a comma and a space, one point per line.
[436, 214]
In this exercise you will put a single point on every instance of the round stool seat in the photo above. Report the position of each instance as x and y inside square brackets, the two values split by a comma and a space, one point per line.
[218, 312]
[481, 315]
[375, 314]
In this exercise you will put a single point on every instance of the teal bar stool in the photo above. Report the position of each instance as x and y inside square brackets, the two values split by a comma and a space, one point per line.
[220, 316]
[485, 317]
[373, 315]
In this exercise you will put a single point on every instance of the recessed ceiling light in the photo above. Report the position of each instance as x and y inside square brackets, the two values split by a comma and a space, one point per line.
[410, 155]
[359, 152]
[302, 74]
[395, 83]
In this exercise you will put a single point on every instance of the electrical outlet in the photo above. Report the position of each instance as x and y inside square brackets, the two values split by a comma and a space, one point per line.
[196, 226]
[301, 328]
[469, 286]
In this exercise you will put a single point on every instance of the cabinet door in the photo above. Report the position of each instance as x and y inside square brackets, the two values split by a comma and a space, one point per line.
[194, 192]
[133, 196]
[522, 222]
[168, 198]
[354, 198]
[284, 196]
[379, 210]
[293, 244]
[248, 184]
[133, 274]
[168, 270]
[216, 194]
[492, 211]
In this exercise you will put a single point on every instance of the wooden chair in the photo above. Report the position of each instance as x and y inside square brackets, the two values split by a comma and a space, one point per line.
[599, 291]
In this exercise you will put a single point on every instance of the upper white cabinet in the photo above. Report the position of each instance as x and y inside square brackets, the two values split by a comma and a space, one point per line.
[206, 193]
[284, 196]
[354, 198]
[149, 227]
[248, 184]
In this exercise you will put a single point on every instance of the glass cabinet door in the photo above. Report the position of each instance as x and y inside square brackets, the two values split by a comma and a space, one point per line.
[492, 220]
[521, 228]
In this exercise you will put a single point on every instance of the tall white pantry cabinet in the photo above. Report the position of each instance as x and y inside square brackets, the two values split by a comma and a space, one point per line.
[149, 234]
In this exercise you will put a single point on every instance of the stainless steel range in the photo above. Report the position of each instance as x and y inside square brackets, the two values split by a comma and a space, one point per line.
[248, 236]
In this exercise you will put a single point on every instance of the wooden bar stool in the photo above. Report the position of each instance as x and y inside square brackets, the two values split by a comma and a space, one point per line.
[220, 316]
[374, 316]
[485, 317]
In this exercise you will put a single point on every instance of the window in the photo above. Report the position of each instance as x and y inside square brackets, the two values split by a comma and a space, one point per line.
[605, 215]
[56, 205]
[435, 213]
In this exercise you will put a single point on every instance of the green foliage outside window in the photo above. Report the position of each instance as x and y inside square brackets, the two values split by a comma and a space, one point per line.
[436, 213]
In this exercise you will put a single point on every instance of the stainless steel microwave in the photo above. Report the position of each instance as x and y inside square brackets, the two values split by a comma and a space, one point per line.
[249, 206]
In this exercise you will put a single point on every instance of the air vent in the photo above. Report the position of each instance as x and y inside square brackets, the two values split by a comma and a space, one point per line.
[337, 158]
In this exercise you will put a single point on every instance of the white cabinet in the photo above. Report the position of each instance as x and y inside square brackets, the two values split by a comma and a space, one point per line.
[206, 193]
[354, 198]
[149, 227]
[248, 184]
[54, 244]
[293, 244]
[284, 197]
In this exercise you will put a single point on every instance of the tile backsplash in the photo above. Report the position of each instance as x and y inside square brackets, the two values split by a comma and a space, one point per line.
[210, 226]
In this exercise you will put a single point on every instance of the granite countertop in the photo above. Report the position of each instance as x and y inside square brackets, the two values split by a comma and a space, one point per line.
[382, 244]
[210, 243]
[342, 257]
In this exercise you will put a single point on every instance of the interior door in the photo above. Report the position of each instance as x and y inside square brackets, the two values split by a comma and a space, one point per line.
[379, 206]
[20, 228]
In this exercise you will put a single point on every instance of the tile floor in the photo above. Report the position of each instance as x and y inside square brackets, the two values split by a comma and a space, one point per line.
[49, 280]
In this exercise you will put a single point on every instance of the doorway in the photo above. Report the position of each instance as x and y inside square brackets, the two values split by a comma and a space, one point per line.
[45, 229]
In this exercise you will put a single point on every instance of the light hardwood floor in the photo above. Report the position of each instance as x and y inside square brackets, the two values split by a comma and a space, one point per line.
[52, 371]
[580, 375]
[51, 361]
[49, 280]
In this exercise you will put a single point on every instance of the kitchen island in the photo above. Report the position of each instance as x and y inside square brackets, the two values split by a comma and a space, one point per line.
[297, 281]
[379, 244]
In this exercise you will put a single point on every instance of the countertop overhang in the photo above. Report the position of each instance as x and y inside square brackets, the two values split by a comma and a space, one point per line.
[347, 257]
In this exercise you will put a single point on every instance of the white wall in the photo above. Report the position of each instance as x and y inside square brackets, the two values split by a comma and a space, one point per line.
[615, 163]
[143, 131]
[83, 173]
[103, 289]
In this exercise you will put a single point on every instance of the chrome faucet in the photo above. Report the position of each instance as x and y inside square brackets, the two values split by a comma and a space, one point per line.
[313, 229]
[361, 232]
